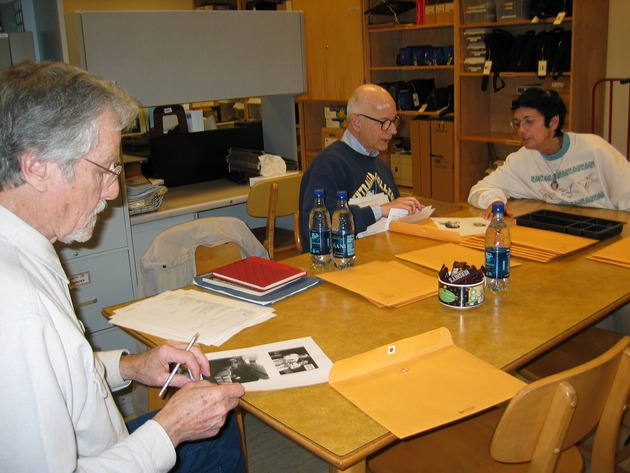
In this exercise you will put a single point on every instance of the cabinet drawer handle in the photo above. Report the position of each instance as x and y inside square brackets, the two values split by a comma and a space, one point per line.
[86, 303]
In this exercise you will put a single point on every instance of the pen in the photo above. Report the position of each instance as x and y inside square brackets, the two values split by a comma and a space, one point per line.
[170, 378]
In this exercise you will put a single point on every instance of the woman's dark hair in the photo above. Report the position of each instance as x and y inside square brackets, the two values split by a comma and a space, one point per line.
[547, 102]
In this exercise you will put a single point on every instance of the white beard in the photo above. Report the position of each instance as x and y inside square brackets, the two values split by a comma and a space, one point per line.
[85, 232]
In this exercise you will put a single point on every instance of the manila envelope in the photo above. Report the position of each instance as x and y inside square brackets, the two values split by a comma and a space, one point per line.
[385, 283]
[422, 382]
[618, 253]
[446, 254]
[424, 229]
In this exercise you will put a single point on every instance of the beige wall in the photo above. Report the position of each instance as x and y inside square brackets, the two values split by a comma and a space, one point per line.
[92, 5]
[618, 65]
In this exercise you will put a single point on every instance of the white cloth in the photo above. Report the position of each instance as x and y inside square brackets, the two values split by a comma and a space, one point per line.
[272, 165]
[57, 412]
[592, 173]
[169, 263]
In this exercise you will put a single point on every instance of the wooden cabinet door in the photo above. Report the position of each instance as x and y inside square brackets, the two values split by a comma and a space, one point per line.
[334, 47]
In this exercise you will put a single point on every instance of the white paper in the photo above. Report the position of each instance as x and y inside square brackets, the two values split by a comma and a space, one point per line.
[179, 314]
[286, 364]
[382, 225]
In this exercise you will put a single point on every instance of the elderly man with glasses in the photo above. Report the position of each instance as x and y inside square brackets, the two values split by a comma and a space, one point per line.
[60, 133]
[352, 164]
[553, 165]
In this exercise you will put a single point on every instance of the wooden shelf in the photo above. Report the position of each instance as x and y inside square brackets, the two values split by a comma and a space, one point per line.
[410, 68]
[503, 24]
[511, 139]
[403, 27]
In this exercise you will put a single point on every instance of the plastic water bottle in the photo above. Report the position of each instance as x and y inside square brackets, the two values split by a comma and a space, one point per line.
[498, 250]
[319, 231]
[342, 233]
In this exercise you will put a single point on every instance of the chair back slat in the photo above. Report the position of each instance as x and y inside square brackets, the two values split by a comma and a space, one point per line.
[537, 414]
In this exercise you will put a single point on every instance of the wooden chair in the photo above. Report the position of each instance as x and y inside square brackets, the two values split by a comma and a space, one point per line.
[579, 349]
[536, 432]
[272, 198]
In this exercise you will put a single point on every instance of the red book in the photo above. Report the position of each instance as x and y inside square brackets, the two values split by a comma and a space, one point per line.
[258, 273]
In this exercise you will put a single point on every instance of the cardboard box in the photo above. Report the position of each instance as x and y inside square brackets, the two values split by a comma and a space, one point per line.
[442, 162]
[429, 12]
[420, 134]
[401, 169]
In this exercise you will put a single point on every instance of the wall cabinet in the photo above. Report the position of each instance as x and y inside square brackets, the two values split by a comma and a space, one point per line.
[481, 129]
[334, 52]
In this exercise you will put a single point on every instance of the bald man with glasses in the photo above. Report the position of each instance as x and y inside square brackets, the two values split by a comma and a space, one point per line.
[353, 164]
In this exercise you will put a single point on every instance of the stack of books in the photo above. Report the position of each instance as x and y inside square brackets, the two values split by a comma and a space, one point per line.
[257, 280]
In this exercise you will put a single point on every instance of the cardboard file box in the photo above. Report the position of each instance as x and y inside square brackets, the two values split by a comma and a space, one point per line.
[330, 135]
[432, 161]
[401, 168]
[442, 160]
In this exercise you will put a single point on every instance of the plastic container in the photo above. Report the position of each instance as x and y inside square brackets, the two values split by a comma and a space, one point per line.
[498, 246]
[580, 225]
[512, 10]
[461, 296]
[320, 231]
[342, 233]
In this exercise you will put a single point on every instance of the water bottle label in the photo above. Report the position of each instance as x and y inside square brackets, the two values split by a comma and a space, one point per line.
[320, 242]
[497, 263]
[343, 245]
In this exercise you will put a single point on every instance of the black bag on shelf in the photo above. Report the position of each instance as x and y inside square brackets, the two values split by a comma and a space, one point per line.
[499, 46]
[423, 88]
[562, 59]
[550, 8]
[547, 43]
[523, 55]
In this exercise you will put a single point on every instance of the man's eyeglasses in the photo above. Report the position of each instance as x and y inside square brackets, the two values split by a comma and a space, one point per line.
[111, 174]
[526, 121]
[385, 124]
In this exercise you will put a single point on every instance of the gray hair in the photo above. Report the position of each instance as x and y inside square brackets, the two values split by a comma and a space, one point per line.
[51, 109]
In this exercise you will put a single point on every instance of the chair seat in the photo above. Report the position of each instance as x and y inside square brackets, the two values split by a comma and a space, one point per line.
[579, 349]
[461, 447]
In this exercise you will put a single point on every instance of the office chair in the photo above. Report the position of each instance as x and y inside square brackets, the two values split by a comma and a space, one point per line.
[536, 432]
[272, 198]
[169, 262]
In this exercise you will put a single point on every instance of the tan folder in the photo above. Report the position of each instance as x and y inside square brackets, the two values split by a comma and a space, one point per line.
[420, 383]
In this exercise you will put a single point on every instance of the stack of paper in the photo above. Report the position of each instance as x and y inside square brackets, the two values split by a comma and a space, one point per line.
[534, 244]
[618, 253]
[179, 314]
[257, 280]
[144, 195]
[385, 283]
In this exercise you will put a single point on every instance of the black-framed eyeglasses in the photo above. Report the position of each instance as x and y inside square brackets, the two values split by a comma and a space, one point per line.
[112, 174]
[385, 124]
[526, 121]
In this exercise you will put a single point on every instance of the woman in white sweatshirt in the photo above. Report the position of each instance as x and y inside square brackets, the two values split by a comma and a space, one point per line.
[553, 165]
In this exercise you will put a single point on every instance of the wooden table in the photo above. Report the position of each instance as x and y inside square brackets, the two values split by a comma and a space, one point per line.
[546, 304]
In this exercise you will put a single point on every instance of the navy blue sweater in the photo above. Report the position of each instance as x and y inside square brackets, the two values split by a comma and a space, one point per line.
[340, 168]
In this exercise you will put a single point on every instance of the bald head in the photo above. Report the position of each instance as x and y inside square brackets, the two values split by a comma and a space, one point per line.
[372, 117]
[371, 99]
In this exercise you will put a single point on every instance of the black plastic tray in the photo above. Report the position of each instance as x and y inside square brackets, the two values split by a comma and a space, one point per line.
[580, 225]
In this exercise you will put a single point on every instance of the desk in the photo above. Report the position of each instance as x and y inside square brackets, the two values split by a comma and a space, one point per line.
[546, 304]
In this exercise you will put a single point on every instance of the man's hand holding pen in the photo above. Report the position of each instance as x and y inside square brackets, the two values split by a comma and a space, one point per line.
[197, 410]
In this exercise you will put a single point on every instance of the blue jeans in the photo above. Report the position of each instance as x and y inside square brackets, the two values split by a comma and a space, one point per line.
[220, 454]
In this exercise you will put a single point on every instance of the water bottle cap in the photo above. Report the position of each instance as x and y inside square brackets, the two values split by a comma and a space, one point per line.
[319, 192]
[497, 207]
[342, 195]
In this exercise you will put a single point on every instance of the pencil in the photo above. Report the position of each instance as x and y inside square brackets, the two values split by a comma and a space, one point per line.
[170, 378]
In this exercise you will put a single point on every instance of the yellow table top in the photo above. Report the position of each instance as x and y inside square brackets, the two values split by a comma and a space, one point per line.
[546, 304]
